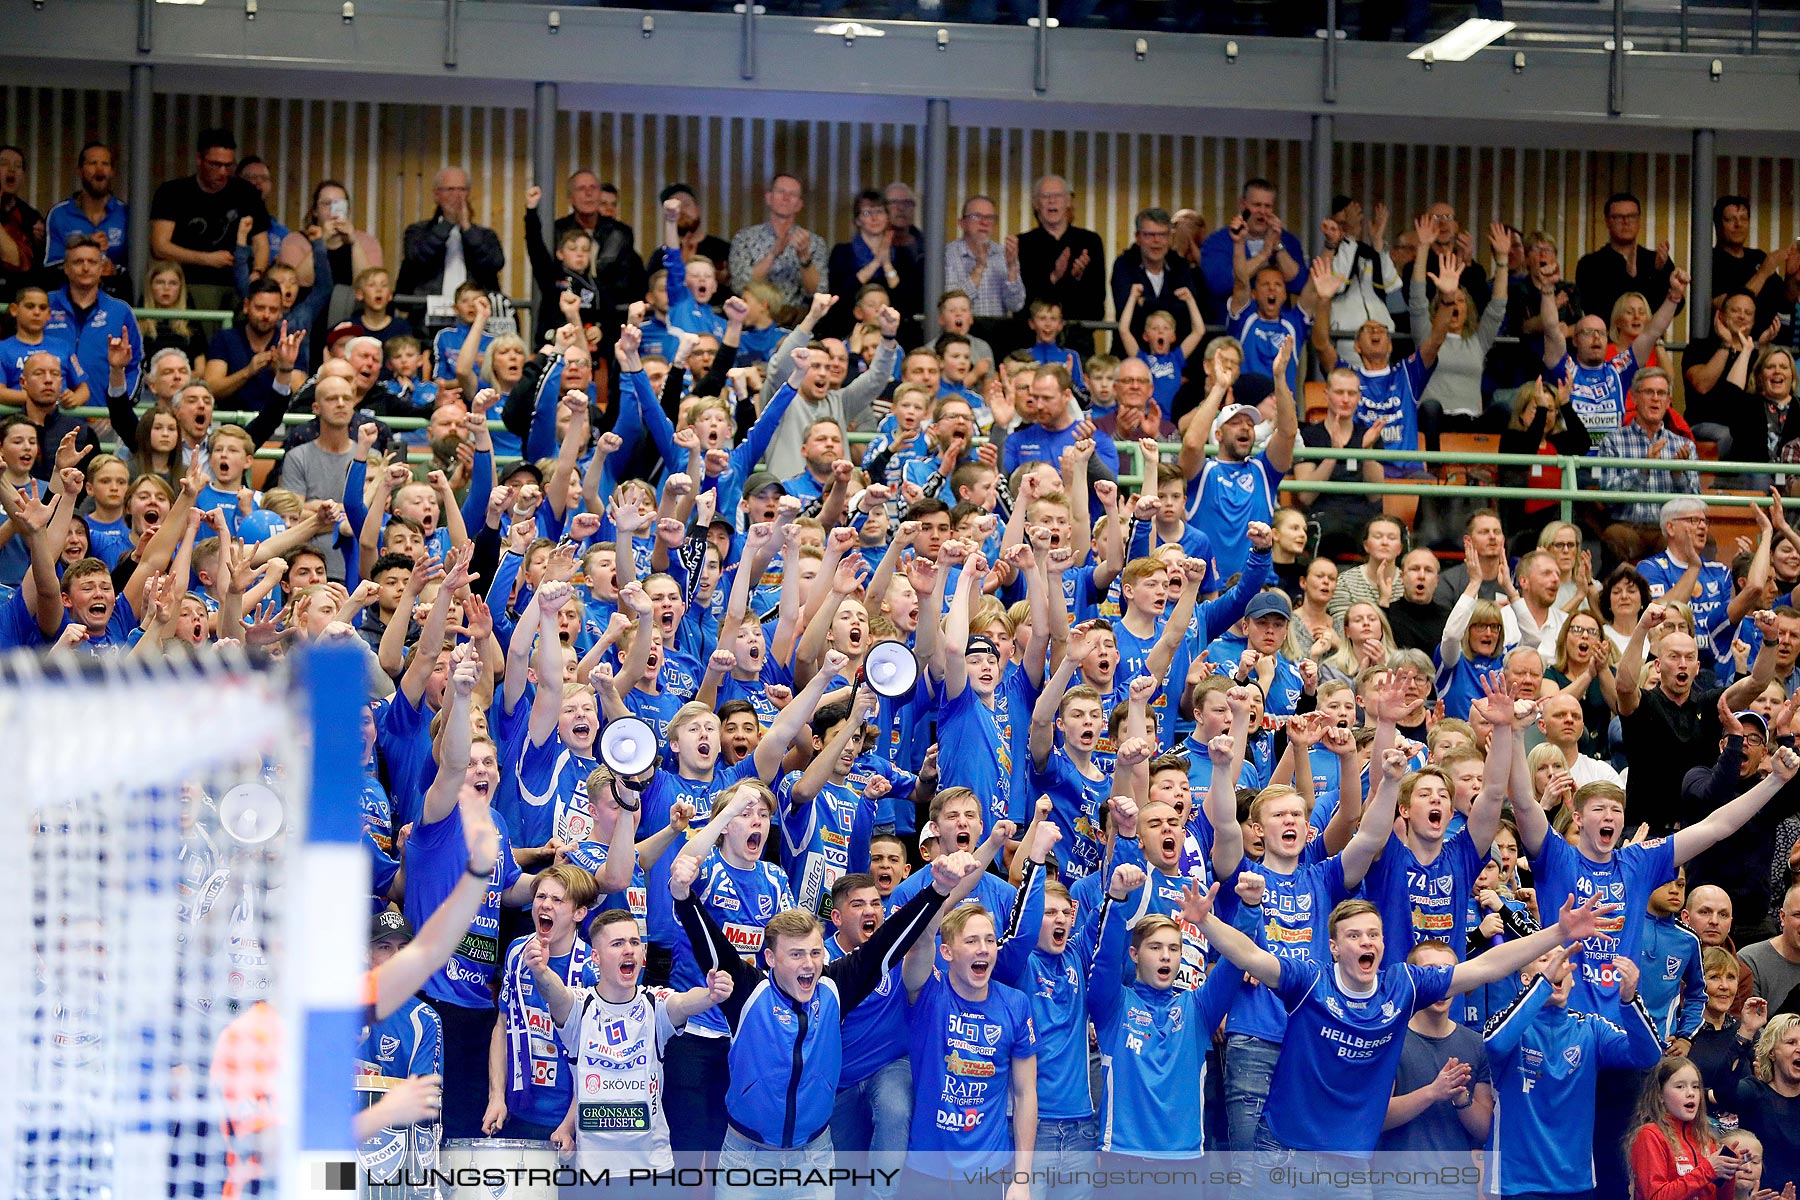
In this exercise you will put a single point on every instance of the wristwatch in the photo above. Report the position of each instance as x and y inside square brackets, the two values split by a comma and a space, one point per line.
[1465, 1103]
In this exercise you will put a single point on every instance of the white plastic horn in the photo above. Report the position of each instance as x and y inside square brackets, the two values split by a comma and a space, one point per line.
[891, 669]
[628, 746]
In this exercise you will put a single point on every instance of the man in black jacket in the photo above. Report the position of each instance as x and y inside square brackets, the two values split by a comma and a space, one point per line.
[1739, 864]
[448, 247]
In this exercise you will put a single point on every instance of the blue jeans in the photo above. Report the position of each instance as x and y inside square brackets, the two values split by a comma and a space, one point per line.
[1249, 1068]
[741, 1153]
[1065, 1145]
[875, 1115]
[1322, 1172]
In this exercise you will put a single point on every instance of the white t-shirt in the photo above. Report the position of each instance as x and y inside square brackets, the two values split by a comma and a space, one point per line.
[617, 1052]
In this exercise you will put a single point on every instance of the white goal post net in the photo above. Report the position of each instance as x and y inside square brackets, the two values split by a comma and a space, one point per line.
[154, 815]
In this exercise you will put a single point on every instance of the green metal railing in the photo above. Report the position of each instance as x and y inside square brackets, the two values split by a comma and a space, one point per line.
[399, 424]
[1567, 497]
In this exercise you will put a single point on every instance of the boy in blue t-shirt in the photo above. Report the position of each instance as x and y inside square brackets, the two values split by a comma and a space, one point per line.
[448, 343]
[825, 826]
[1262, 319]
[534, 1095]
[1159, 352]
[1047, 324]
[1347, 1017]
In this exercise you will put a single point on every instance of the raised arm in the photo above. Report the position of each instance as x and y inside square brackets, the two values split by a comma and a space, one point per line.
[1727, 819]
[785, 729]
[1556, 346]
[1573, 924]
[1645, 343]
[1280, 450]
[547, 661]
[1244, 954]
[1378, 818]
[1227, 753]
[1043, 713]
[956, 625]
[1631, 659]
[453, 746]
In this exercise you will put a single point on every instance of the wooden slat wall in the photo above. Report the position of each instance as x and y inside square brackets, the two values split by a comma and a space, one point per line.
[388, 153]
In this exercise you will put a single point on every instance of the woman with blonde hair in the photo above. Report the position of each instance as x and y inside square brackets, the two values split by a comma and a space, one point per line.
[1367, 640]
[1769, 1105]
[166, 287]
[1452, 398]
[1582, 665]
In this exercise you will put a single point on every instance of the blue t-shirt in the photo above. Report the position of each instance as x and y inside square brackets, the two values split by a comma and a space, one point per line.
[14, 352]
[1075, 804]
[448, 344]
[109, 541]
[1711, 599]
[553, 797]
[403, 736]
[1034, 443]
[1295, 910]
[962, 1054]
[1224, 498]
[436, 860]
[1560, 871]
[665, 788]
[1262, 340]
[1336, 1073]
[1422, 902]
[972, 752]
[1597, 394]
[68, 219]
[1165, 375]
[1393, 392]
[875, 1030]
[1153, 1044]
[822, 841]
[741, 901]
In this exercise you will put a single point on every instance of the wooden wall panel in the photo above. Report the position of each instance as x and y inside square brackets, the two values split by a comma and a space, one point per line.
[387, 155]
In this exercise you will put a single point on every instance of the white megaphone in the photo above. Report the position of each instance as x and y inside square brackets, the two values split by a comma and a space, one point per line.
[251, 813]
[628, 747]
[891, 669]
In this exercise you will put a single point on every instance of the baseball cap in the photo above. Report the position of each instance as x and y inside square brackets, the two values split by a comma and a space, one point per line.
[343, 331]
[1265, 604]
[1747, 717]
[981, 645]
[389, 925]
[1235, 410]
[929, 833]
[523, 467]
[674, 190]
[762, 480]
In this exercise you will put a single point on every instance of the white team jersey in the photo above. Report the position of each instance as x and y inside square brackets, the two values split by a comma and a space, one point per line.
[617, 1052]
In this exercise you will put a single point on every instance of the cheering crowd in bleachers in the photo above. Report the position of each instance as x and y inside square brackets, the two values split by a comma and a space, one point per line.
[1027, 779]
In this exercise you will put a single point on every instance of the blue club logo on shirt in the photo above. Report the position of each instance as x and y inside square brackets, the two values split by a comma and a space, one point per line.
[1572, 1056]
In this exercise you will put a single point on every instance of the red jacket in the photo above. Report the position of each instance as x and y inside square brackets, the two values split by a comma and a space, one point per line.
[1659, 1172]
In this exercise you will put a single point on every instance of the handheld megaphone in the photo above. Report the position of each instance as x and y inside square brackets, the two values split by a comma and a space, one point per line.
[251, 813]
[891, 669]
[628, 747]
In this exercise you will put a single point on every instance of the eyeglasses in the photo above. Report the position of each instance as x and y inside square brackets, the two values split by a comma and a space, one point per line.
[1485, 625]
[1565, 545]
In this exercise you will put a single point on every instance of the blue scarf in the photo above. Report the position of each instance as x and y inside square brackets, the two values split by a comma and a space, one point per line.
[523, 1019]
